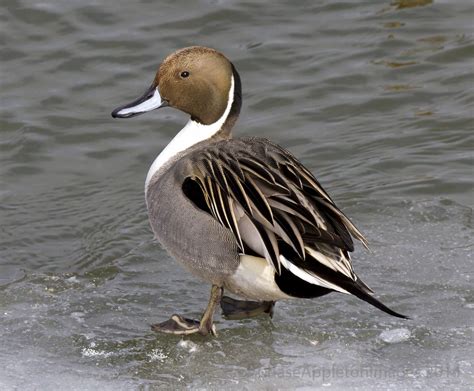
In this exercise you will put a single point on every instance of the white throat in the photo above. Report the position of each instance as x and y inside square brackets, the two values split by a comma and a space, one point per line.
[191, 134]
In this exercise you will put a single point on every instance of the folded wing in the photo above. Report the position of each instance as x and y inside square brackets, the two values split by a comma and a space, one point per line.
[276, 209]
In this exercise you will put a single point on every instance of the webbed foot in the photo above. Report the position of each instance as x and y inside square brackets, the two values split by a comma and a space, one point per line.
[184, 326]
[240, 309]
[180, 326]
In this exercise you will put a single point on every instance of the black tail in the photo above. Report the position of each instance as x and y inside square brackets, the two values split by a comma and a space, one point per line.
[359, 290]
[294, 286]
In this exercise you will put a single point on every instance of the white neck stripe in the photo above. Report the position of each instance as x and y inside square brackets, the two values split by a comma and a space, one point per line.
[191, 134]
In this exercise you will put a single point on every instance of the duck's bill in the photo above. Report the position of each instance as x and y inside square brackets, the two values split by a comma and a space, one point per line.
[150, 100]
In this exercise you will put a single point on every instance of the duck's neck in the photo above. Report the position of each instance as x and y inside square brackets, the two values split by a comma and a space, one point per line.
[195, 132]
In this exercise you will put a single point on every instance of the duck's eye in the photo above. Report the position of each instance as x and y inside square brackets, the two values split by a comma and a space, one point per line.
[184, 74]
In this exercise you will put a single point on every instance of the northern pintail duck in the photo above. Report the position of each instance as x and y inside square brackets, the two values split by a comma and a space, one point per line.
[242, 214]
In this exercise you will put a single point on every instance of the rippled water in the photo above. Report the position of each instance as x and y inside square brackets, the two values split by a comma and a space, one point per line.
[375, 98]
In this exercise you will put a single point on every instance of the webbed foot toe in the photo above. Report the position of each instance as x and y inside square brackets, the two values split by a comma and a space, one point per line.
[177, 325]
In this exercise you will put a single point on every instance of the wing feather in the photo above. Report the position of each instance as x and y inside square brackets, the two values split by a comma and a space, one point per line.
[271, 203]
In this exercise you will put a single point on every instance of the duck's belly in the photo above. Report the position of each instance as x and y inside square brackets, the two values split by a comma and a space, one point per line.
[254, 279]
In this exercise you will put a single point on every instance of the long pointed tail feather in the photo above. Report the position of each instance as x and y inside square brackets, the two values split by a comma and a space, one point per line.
[367, 297]
[312, 275]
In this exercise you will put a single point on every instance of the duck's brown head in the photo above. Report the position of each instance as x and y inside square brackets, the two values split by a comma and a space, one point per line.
[196, 80]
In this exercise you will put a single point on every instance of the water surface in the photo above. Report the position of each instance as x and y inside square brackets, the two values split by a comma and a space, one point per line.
[374, 97]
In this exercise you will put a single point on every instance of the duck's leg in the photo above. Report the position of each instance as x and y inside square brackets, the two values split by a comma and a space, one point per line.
[240, 309]
[184, 326]
[206, 325]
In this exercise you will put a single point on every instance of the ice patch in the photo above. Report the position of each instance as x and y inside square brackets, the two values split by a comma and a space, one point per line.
[91, 352]
[78, 316]
[73, 280]
[190, 346]
[157, 355]
[465, 366]
[395, 335]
